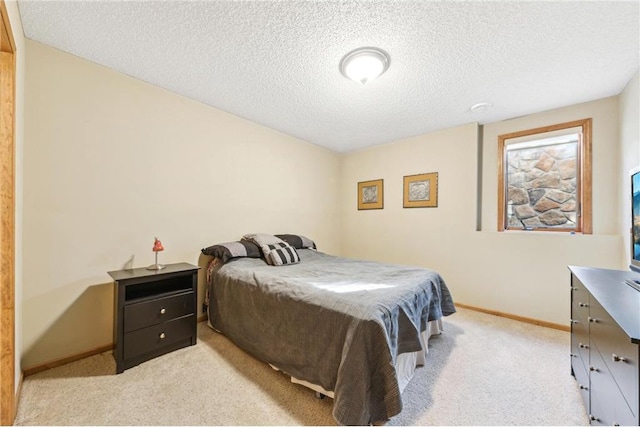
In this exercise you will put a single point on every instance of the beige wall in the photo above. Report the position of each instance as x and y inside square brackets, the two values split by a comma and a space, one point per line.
[110, 162]
[18, 37]
[412, 235]
[520, 273]
[629, 155]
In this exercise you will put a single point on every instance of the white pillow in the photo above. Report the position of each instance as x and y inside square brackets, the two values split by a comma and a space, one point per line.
[262, 239]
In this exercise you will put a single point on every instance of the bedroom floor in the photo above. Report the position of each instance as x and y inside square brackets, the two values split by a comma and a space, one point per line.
[483, 370]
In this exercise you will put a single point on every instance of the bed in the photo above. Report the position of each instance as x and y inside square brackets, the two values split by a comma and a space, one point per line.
[351, 329]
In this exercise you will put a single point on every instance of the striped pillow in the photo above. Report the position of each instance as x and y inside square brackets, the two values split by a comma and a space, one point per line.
[280, 254]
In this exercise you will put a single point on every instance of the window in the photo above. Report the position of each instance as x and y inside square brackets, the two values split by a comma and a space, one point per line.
[544, 178]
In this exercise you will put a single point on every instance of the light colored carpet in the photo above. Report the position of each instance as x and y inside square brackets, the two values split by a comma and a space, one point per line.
[483, 370]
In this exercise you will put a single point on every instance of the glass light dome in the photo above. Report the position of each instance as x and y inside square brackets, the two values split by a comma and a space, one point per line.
[364, 64]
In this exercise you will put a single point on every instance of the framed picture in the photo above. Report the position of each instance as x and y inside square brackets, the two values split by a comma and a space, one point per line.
[421, 191]
[370, 194]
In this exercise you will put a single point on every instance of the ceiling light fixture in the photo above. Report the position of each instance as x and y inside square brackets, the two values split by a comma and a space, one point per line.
[364, 64]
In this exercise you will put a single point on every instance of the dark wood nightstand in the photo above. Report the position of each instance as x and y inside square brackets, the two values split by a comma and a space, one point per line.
[154, 312]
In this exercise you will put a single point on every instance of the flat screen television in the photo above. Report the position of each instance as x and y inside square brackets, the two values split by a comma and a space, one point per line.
[635, 220]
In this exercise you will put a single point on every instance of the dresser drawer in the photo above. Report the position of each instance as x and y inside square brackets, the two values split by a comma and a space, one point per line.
[580, 317]
[155, 337]
[618, 353]
[582, 378]
[623, 415]
[580, 341]
[579, 301]
[142, 314]
[604, 391]
[579, 320]
[608, 407]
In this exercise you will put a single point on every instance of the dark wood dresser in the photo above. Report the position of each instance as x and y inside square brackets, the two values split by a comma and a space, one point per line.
[605, 338]
[154, 312]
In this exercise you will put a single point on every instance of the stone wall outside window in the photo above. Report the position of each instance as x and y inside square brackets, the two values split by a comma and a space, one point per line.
[541, 190]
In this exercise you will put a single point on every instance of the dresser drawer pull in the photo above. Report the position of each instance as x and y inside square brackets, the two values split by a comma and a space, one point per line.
[574, 288]
[574, 321]
[593, 320]
[163, 310]
[593, 418]
[573, 355]
[584, 388]
[593, 369]
[583, 345]
[162, 335]
[617, 358]
[581, 304]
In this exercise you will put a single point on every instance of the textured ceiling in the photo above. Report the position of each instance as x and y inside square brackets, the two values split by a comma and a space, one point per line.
[276, 62]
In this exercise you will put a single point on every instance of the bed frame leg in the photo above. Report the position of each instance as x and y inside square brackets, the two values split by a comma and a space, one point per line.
[320, 395]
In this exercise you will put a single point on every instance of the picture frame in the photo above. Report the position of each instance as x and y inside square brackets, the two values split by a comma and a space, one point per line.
[421, 190]
[371, 194]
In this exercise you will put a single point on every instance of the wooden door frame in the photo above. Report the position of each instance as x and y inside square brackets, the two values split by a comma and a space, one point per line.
[7, 219]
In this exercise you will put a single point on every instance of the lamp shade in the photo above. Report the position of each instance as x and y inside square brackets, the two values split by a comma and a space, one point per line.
[364, 64]
[157, 245]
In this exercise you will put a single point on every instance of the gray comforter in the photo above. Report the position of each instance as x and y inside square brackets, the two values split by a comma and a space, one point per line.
[336, 322]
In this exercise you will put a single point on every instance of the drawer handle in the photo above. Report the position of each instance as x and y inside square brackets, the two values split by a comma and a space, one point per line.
[162, 335]
[617, 358]
[592, 369]
[574, 288]
[581, 304]
[574, 321]
[593, 418]
[584, 388]
[163, 310]
[593, 320]
[573, 355]
[583, 345]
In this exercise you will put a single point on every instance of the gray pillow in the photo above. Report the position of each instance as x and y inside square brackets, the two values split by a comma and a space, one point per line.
[298, 241]
[230, 250]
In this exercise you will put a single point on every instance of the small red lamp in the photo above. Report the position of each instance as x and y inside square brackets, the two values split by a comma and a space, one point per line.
[157, 247]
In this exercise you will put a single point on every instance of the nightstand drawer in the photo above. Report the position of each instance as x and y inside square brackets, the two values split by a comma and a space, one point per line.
[155, 337]
[142, 314]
